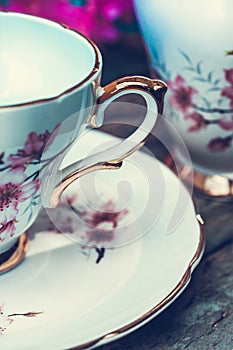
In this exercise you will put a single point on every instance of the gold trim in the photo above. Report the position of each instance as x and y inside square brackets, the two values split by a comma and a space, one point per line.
[95, 69]
[212, 185]
[18, 254]
[156, 88]
[200, 219]
[175, 292]
[57, 192]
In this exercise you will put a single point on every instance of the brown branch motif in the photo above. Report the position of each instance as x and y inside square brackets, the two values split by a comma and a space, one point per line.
[19, 180]
[7, 319]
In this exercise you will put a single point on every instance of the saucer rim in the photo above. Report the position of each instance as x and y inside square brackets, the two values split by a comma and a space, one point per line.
[155, 308]
[158, 308]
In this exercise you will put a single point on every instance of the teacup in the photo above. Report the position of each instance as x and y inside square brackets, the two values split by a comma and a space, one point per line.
[49, 73]
[189, 45]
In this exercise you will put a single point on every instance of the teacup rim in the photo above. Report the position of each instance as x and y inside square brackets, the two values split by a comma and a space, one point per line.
[95, 70]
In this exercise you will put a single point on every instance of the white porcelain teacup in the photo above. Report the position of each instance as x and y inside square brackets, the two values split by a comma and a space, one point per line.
[48, 73]
[189, 45]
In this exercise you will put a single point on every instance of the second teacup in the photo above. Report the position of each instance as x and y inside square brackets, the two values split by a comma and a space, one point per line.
[189, 45]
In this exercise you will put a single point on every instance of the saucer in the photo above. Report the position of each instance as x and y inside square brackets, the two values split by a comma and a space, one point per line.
[64, 295]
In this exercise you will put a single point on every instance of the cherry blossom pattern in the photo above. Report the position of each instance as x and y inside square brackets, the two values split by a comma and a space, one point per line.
[19, 179]
[219, 144]
[226, 123]
[106, 213]
[6, 320]
[228, 90]
[101, 224]
[198, 122]
[32, 151]
[7, 229]
[13, 190]
[181, 97]
[194, 108]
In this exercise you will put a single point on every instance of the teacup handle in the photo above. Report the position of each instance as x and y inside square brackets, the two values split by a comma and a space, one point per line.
[153, 92]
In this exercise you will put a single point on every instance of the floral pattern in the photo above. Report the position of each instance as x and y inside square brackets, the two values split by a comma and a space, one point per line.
[182, 94]
[200, 111]
[228, 90]
[197, 119]
[97, 226]
[101, 224]
[19, 181]
[32, 151]
[219, 144]
[6, 320]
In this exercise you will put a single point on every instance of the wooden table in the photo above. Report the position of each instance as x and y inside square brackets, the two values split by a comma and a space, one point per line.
[202, 317]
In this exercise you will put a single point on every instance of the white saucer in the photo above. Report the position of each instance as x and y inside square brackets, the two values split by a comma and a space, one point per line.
[85, 304]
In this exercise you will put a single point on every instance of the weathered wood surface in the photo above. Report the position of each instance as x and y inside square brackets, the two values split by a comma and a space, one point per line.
[202, 317]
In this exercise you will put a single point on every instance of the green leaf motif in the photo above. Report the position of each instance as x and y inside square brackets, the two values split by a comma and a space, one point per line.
[30, 216]
[188, 59]
[198, 67]
[220, 101]
[206, 102]
[216, 81]
[190, 69]
[199, 79]
[37, 196]
[214, 89]
[209, 77]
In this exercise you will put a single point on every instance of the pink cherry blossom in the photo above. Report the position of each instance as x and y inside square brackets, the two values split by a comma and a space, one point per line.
[106, 213]
[198, 121]
[33, 149]
[14, 189]
[226, 124]
[219, 144]
[8, 210]
[102, 223]
[5, 320]
[7, 230]
[228, 90]
[181, 97]
[229, 75]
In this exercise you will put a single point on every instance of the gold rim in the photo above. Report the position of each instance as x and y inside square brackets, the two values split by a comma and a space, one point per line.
[17, 256]
[159, 307]
[211, 185]
[156, 88]
[95, 69]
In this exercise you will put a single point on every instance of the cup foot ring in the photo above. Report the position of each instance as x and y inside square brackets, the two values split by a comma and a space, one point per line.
[211, 185]
[14, 256]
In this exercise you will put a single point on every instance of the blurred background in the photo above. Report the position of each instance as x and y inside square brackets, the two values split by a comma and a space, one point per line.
[110, 23]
